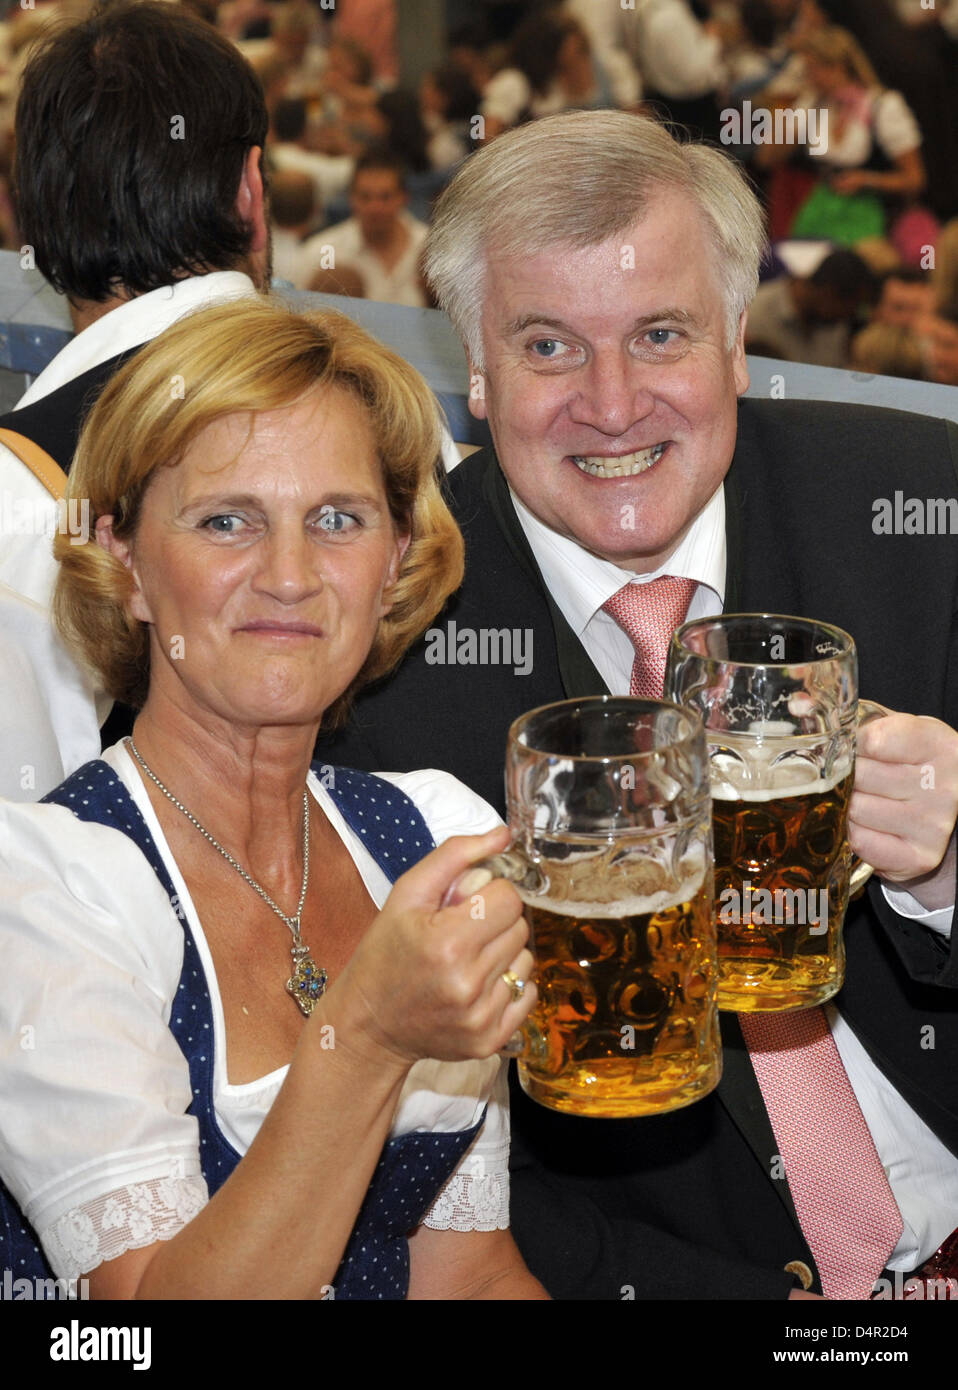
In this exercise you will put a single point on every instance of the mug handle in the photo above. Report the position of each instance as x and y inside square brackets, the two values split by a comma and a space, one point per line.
[868, 710]
[513, 866]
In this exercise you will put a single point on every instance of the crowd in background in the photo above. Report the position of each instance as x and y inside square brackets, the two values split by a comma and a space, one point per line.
[845, 113]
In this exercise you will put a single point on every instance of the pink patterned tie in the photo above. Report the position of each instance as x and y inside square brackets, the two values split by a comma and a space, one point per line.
[648, 614]
[841, 1192]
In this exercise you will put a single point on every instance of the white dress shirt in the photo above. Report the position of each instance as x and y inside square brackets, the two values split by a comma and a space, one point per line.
[398, 284]
[923, 1173]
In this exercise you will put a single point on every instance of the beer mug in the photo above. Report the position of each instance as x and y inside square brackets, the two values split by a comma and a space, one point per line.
[610, 811]
[779, 700]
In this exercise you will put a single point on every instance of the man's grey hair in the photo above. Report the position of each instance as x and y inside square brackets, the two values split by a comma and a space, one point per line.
[577, 179]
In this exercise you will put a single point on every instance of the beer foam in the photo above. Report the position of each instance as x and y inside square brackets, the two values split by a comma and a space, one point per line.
[795, 778]
[632, 906]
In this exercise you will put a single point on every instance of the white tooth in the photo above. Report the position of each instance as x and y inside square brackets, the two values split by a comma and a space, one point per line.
[626, 466]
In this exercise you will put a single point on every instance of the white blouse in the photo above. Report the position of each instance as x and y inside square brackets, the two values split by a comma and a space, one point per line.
[96, 1143]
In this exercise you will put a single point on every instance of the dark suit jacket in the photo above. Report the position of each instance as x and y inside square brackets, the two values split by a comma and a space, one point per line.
[685, 1205]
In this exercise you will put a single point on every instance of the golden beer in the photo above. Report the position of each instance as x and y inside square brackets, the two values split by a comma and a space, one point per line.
[625, 1022]
[781, 888]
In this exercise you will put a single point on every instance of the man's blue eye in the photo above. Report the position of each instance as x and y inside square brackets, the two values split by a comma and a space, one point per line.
[659, 337]
[544, 346]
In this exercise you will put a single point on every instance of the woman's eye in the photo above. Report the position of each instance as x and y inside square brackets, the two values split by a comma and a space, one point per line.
[225, 524]
[335, 522]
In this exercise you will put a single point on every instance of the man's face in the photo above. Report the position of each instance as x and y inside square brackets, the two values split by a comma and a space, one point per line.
[377, 200]
[609, 390]
[902, 304]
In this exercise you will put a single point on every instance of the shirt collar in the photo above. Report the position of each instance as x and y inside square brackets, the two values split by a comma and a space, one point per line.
[581, 582]
[136, 322]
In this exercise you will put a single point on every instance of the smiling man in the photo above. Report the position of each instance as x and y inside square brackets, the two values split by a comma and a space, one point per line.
[599, 274]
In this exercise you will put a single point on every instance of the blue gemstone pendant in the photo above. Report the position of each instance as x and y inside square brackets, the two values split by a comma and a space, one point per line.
[308, 981]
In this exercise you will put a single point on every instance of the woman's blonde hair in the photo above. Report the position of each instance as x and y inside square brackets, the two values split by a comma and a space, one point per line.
[239, 358]
[835, 45]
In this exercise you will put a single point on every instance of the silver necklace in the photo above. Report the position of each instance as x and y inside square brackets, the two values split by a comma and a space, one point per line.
[307, 983]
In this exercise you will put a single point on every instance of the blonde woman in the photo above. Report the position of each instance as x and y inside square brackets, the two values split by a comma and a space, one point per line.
[873, 148]
[260, 1067]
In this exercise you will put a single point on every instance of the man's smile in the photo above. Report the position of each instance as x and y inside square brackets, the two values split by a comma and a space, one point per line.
[621, 466]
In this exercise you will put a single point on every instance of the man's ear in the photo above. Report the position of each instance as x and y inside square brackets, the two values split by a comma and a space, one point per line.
[122, 550]
[251, 199]
[739, 363]
[477, 391]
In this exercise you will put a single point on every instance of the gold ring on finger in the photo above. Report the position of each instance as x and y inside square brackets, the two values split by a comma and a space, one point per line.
[517, 987]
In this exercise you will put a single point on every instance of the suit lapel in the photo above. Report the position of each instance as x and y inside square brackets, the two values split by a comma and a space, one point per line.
[734, 542]
[740, 1094]
[579, 676]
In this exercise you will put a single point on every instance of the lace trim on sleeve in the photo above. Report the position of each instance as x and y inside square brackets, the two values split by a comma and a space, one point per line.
[471, 1202]
[127, 1219]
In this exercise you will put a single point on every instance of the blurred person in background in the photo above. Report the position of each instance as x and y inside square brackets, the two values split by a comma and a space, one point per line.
[550, 69]
[906, 296]
[382, 241]
[680, 59]
[472, 50]
[921, 63]
[944, 278]
[343, 122]
[293, 213]
[940, 338]
[330, 174]
[399, 128]
[293, 47]
[448, 102]
[872, 164]
[605, 22]
[888, 349]
[812, 319]
[372, 24]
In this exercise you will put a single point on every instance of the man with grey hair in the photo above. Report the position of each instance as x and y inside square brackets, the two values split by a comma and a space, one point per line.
[599, 273]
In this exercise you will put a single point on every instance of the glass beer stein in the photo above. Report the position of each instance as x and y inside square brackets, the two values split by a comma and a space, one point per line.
[779, 700]
[610, 811]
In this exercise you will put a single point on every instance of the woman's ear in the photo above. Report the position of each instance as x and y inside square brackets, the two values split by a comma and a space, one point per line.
[392, 573]
[122, 550]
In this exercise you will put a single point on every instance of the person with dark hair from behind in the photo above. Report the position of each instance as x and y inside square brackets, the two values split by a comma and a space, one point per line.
[811, 319]
[142, 200]
[381, 241]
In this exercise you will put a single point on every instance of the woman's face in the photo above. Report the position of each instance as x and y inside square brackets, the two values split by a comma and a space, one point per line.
[261, 562]
[827, 77]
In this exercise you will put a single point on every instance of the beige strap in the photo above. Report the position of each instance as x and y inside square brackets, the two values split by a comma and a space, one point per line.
[39, 462]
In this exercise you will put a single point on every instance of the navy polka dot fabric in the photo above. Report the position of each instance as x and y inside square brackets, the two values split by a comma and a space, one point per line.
[412, 1167]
